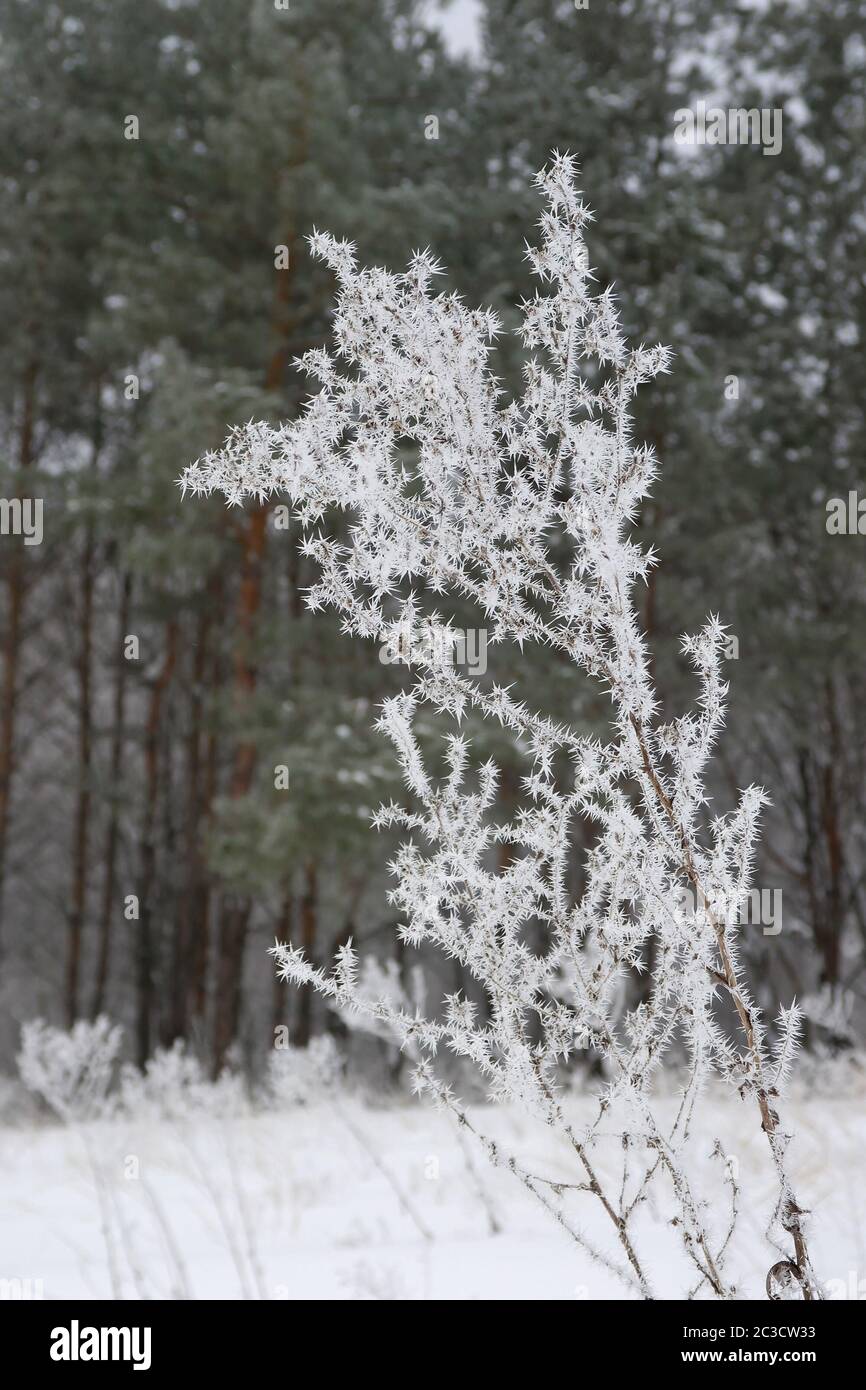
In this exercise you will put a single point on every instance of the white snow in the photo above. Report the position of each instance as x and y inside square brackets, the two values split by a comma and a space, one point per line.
[324, 1221]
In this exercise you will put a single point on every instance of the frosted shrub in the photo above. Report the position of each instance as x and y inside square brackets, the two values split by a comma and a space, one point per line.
[475, 510]
[303, 1075]
[72, 1071]
[174, 1086]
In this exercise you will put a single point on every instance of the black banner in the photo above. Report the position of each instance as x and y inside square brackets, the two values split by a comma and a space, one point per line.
[82, 1338]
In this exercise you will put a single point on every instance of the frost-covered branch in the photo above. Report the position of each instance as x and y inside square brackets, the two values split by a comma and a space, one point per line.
[455, 495]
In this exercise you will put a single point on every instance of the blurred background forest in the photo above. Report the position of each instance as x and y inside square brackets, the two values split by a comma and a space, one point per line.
[158, 664]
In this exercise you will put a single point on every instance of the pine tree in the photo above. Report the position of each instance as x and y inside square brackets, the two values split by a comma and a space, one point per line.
[159, 283]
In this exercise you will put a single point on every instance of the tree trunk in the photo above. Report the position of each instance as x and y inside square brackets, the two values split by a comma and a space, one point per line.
[308, 923]
[144, 927]
[235, 909]
[12, 634]
[183, 945]
[112, 836]
[279, 993]
[203, 896]
[81, 840]
[202, 902]
[831, 827]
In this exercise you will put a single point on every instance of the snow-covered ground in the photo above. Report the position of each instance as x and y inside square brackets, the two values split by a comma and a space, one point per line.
[358, 1201]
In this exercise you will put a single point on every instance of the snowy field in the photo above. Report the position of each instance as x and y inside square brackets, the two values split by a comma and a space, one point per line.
[355, 1201]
